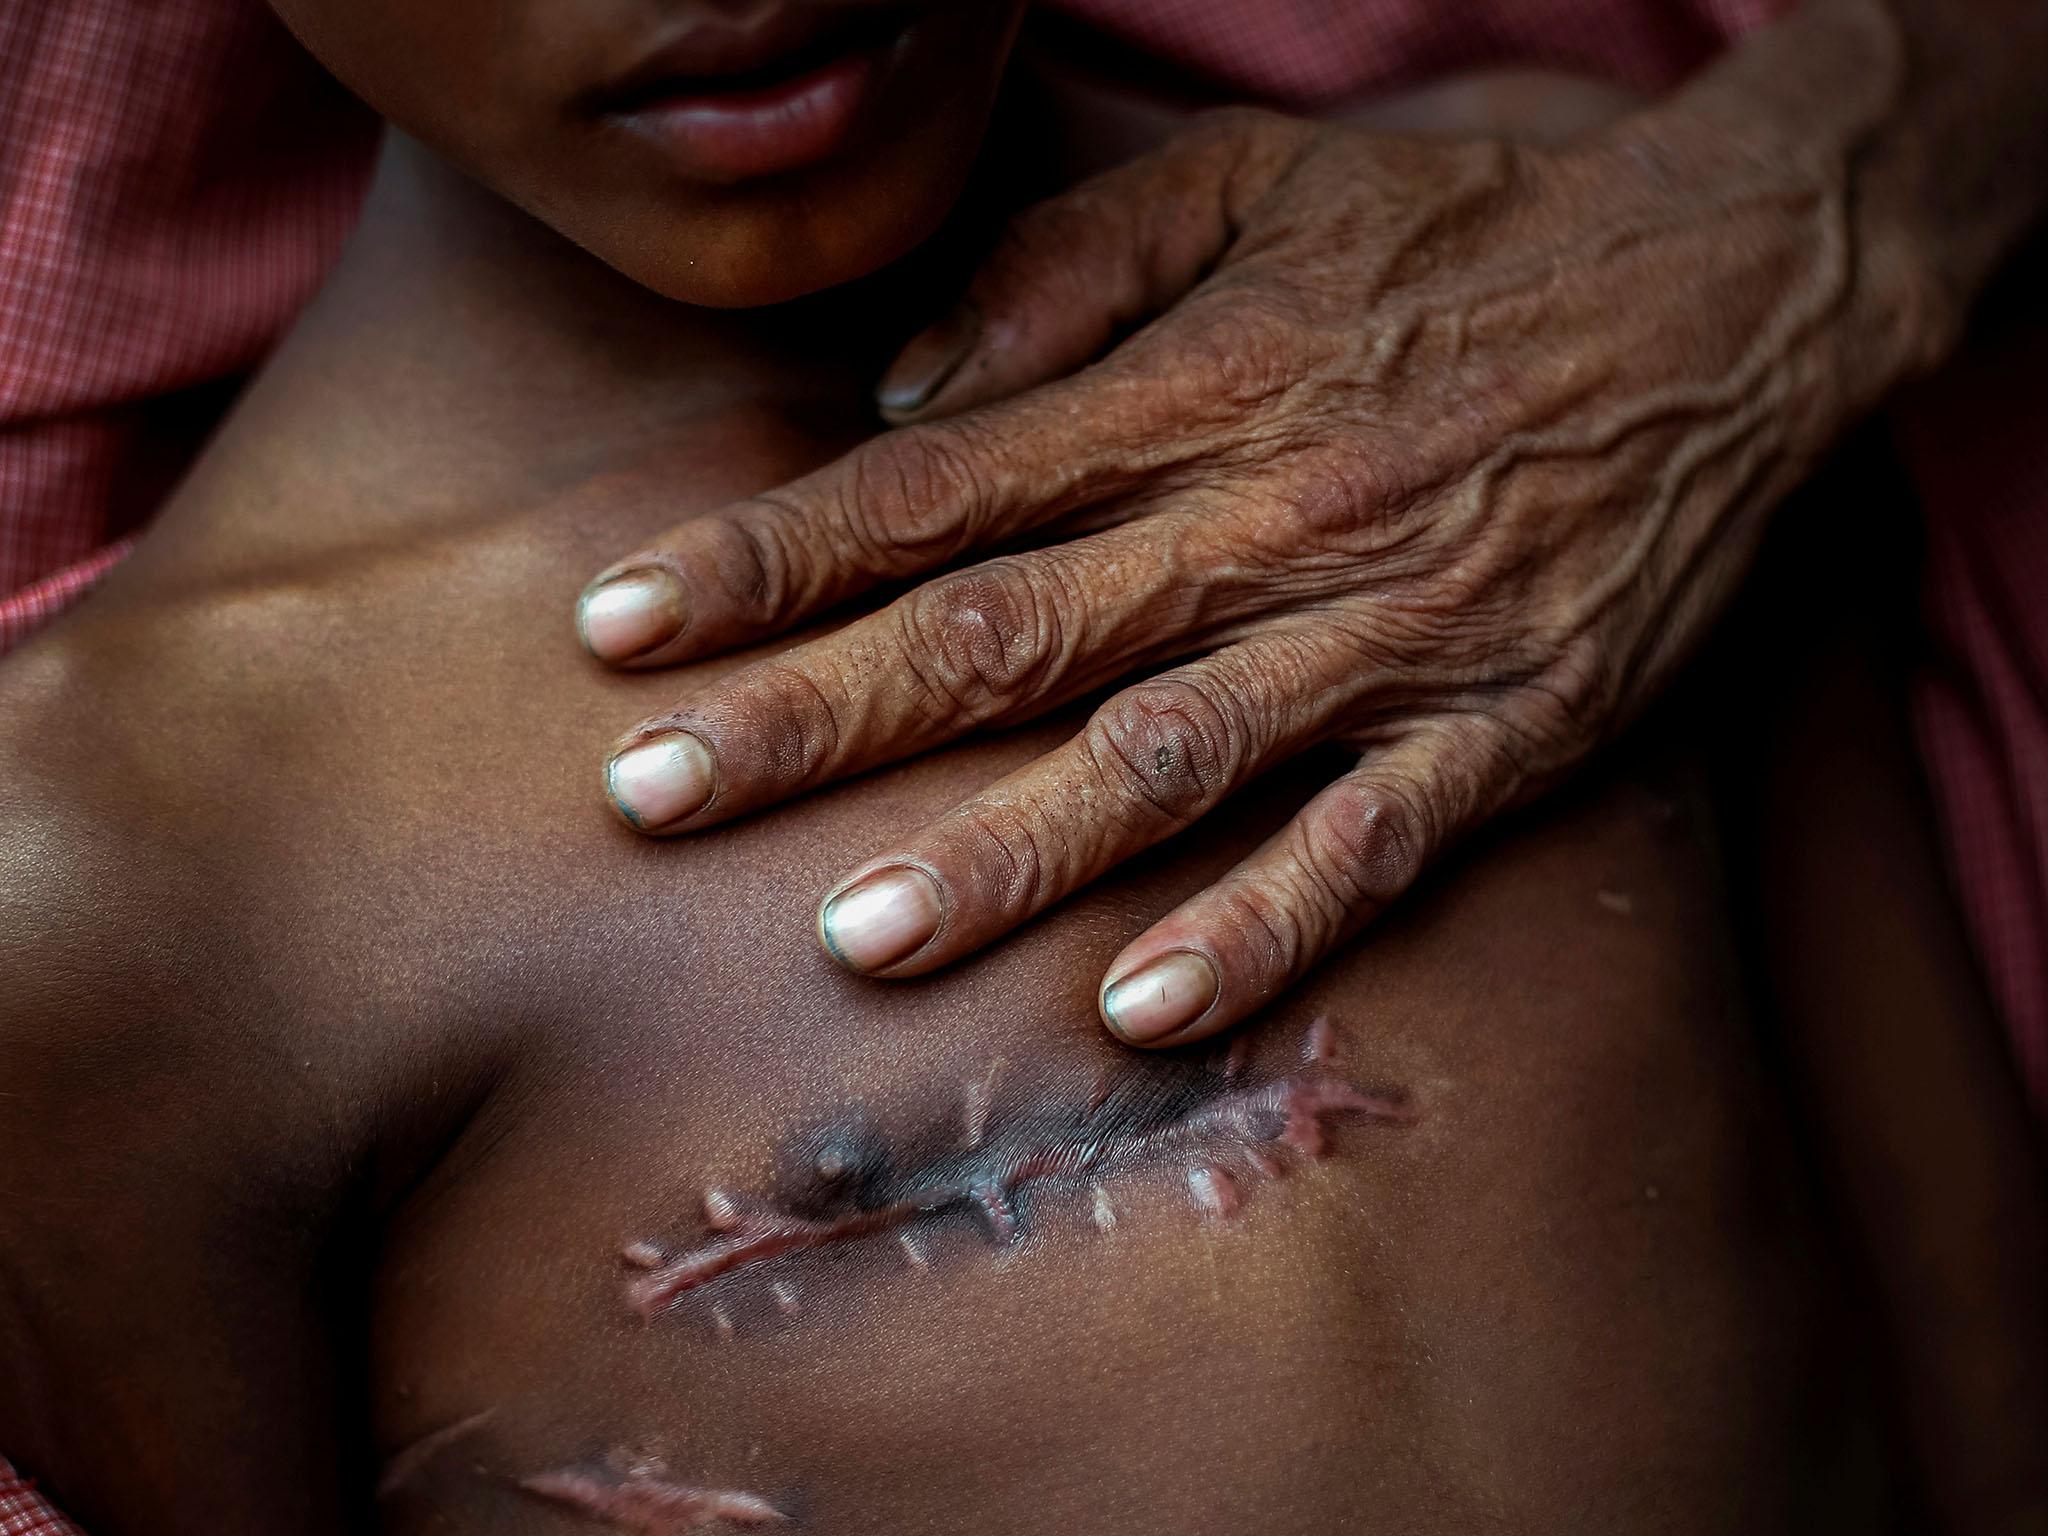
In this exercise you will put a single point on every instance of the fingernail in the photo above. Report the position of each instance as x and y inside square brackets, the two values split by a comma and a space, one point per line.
[932, 358]
[1157, 999]
[626, 616]
[885, 918]
[661, 780]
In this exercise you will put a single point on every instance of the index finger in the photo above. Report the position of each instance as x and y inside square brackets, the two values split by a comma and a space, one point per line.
[1002, 640]
[903, 503]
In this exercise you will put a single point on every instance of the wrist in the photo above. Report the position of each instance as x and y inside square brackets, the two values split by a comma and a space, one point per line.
[1921, 125]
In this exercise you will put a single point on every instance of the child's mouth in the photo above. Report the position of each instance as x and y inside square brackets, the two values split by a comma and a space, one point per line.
[731, 108]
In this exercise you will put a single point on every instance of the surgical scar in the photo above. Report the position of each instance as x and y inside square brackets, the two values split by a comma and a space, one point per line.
[642, 1499]
[1221, 1134]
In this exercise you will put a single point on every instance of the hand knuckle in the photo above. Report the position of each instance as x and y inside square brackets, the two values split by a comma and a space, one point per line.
[1563, 695]
[1241, 350]
[1577, 690]
[759, 565]
[1009, 860]
[914, 497]
[792, 722]
[1264, 927]
[1335, 494]
[979, 637]
[1364, 842]
[1171, 745]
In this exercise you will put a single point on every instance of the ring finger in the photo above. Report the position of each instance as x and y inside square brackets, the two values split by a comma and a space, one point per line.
[1154, 759]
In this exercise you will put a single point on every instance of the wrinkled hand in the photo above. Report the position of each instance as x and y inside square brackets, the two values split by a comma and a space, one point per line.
[1443, 451]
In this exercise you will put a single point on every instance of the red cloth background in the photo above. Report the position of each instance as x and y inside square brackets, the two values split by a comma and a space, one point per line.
[175, 179]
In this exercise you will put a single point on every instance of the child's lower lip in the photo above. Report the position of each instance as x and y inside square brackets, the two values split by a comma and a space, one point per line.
[730, 136]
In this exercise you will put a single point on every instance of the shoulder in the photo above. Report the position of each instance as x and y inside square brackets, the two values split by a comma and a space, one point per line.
[185, 1133]
[112, 890]
[159, 925]
[136, 1020]
[82, 919]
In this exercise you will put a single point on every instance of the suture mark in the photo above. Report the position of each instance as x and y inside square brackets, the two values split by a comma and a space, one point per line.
[1240, 1135]
[1319, 1047]
[993, 1200]
[409, 1461]
[1098, 1091]
[980, 1095]
[1102, 1213]
[721, 1210]
[1214, 1191]
[640, 1500]
[643, 1255]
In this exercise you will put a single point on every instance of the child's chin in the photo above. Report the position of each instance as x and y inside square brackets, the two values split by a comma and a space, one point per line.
[748, 274]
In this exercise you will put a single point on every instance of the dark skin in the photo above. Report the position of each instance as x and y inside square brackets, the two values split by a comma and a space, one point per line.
[1444, 454]
[332, 1100]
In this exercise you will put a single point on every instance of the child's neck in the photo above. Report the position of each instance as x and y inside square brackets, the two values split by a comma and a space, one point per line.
[464, 359]
[475, 315]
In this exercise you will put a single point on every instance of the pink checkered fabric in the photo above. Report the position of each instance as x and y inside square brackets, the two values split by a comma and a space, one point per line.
[24, 1512]
[34, 605]
[175, 179]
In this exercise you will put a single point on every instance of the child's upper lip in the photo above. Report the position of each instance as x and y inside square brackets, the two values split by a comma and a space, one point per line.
[714, 51]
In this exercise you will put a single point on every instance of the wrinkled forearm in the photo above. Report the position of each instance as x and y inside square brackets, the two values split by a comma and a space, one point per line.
[1927, 118]
[1966, 153]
